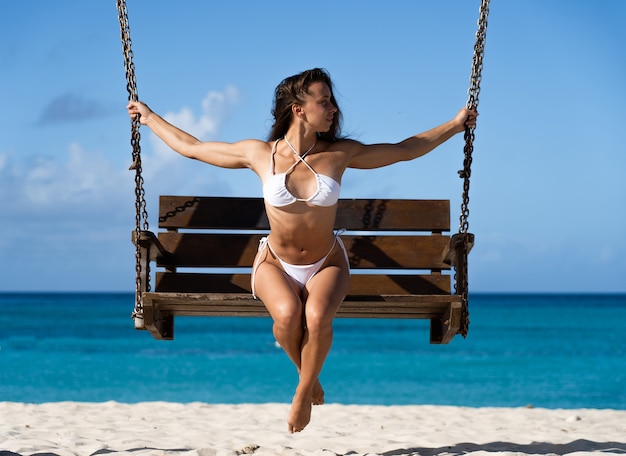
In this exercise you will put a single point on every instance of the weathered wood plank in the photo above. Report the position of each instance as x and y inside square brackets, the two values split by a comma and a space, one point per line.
[159, 308]
[238, 250]
[364, 284]
[352, 214]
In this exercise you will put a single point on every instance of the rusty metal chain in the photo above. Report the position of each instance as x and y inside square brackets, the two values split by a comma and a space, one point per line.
[179, 209]
[466, 172]
[141, 213]
[472, 103]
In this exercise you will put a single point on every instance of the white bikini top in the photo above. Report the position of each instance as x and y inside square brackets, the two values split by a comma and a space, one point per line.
[275, 189]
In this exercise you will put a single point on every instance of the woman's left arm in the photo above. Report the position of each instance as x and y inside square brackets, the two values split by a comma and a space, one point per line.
[377, 155]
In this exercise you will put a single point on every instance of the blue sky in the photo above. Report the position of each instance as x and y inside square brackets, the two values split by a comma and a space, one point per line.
[548, 190]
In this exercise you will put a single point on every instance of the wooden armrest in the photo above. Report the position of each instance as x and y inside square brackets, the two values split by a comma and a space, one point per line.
[459, 244]
[148, 240]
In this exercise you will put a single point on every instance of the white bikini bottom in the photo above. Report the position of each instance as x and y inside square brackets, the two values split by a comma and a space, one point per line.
[301, 273]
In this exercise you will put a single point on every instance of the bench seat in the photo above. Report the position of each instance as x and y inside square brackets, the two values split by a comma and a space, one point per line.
[399, 250]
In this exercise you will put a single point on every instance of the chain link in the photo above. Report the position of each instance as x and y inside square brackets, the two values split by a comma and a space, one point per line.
[472, 103]
[141, 212]
[466, 172]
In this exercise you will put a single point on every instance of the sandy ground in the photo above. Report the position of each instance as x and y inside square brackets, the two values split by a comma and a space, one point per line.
[198, 429]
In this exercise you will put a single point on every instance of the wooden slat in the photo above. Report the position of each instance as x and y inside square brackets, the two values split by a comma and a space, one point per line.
[199, 304]
[161, 308]
[202, 283]
[239, 250]
[425, 284]
[352, 214]
[345, 311]
[208, 250]
[363, 284]
[391, 252]
[393, 215]
[211, 213]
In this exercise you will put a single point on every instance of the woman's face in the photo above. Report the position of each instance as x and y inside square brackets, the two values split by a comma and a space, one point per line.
[318, 108]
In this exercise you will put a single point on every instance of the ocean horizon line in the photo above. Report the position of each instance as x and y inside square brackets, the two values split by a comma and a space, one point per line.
[476, 293]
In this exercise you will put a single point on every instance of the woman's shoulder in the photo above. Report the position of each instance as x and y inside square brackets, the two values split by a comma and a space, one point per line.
[254, 144]
[256, 152]
[252, 147]
[346, 145]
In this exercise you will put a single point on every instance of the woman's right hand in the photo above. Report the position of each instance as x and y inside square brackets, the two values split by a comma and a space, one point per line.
[137, 107]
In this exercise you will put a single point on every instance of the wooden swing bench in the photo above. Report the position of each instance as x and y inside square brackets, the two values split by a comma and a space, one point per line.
[400, 257]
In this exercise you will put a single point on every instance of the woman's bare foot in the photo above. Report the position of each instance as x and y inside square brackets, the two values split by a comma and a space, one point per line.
[317, 397]
[300, 413]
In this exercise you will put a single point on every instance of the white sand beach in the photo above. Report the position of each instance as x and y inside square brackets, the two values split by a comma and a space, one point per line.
[198, 429]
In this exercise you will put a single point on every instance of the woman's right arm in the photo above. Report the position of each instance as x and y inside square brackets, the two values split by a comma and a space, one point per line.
[225, 155]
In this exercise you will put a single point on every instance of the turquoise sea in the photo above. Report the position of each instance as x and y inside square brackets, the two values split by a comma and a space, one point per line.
[553, 351]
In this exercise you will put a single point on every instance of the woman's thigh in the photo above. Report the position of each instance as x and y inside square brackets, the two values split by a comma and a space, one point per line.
[279, 293]
[327, 289]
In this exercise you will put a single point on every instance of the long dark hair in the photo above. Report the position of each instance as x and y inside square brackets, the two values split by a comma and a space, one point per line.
[292, 91]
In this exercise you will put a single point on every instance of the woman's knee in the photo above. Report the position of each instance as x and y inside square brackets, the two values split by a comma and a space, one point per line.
[319, 318]
[287, 314]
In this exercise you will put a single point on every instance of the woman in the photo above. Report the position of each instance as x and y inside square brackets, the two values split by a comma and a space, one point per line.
[301, 272]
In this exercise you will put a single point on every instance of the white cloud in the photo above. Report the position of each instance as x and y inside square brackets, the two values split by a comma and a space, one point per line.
[71, 215]
[85, 177]
[83, 182]
[87, 181]
[216, 109]
[166, 172]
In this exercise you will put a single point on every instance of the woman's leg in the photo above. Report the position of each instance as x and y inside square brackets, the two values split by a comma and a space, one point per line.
[282, 299]
[325, 293]
[306, 339]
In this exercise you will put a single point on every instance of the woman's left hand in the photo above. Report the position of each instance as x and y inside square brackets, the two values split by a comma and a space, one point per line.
[466, 118]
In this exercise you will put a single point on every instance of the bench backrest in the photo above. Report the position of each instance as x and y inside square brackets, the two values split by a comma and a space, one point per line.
[394, 246]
